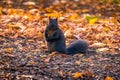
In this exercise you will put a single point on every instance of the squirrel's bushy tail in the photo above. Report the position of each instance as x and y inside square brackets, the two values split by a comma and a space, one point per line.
[78, 46]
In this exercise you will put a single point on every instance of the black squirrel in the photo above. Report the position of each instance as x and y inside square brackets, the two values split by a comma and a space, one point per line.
[56, 40]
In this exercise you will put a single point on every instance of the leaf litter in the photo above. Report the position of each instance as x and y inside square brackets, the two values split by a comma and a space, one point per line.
[23, 52]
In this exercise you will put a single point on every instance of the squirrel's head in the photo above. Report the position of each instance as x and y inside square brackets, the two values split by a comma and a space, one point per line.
[53, 24]
[53, 21]
[52, 29]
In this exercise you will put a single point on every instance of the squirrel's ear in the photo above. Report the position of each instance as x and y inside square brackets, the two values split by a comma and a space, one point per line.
[56, 19]
[49, 18]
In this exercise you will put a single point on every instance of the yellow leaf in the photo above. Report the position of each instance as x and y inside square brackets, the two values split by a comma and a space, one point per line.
[73, 16]
[108, 78]
[78, 75]
[91, 19]
[0, 10]
[106, 29]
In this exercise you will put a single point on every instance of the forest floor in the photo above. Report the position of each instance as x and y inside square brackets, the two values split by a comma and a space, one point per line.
[24, 54]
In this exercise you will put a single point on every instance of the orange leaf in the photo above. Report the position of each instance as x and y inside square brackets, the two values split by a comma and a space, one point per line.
[40, 34]
[10, 50]
[78, 75]
[73, 16]
[108, 78]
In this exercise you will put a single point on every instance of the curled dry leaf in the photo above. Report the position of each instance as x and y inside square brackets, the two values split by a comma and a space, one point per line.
[102, 49]
[98, 44]
[47, 59]
[15, 36]
[29, 3]
[24, 76]
[61, 73]
[77, 62]
[53, 54]
[64, 27]
[88, 73]
[68, 33]
[31, 62]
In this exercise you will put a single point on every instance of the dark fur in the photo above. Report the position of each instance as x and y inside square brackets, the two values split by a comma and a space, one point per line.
[79, 46]
[56, 40]
[55, 37]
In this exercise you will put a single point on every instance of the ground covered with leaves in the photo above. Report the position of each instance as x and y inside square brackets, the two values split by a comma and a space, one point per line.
[23, 51]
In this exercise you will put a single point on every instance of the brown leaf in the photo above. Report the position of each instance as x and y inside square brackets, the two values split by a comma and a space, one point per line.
[88, 73]
[77, 62]
[61, 73]
[47, 59]
[89, 60]
[31, 62]
[15, 36]
[53, 54]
